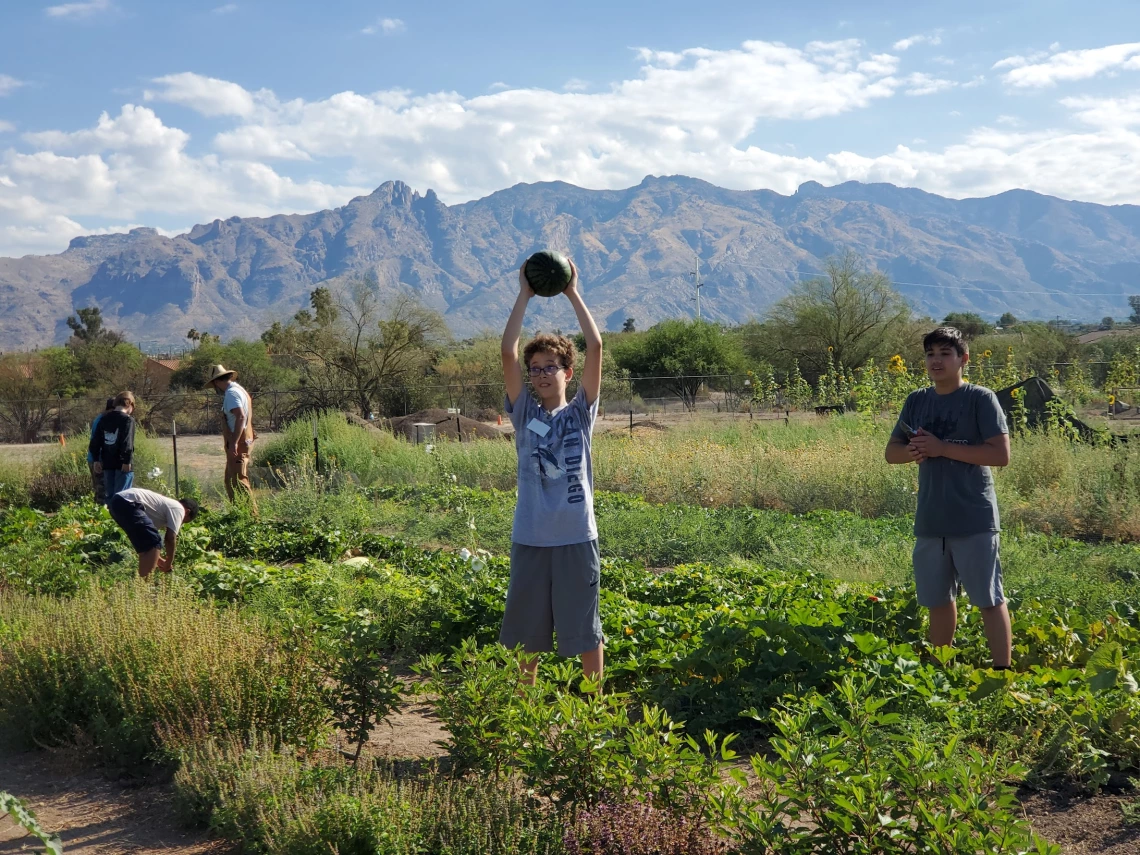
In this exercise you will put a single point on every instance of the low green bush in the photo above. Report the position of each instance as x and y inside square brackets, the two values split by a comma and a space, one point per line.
[141, 668]
[576, 749]
[272, 802]
[844, 776]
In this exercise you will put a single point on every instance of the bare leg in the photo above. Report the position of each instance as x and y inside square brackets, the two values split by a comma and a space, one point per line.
[943, 620]
[529, 666]
[593, 663]
[148, 561]
[999, 633]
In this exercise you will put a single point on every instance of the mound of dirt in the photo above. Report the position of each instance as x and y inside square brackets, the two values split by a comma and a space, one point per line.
[354, 419]
[448, 426]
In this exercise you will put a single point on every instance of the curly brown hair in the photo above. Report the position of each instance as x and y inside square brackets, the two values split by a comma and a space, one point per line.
[562, 347]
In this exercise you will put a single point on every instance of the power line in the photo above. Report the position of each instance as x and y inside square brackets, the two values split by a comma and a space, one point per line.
[803, 274]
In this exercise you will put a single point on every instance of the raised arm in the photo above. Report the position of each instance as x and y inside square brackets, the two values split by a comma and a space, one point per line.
[592, 373]
[512, 370]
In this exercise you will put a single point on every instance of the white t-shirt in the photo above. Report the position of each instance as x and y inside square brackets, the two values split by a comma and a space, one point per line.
[236, 397]
[165, 513]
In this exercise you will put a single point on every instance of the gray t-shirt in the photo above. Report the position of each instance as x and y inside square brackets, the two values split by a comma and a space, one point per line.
[954, 498]
[556, 475]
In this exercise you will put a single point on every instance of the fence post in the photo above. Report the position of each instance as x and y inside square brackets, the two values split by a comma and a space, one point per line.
[631, 406]
[174, 440]
[316, 445]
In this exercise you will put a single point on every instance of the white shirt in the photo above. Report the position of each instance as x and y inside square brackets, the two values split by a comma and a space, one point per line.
[235, 397]
[165, 513]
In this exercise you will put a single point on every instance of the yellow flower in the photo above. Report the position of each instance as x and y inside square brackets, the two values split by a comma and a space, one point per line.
[629, 630]
[685, 636]
[830, 348]
[1011, 348]
[1111, 400]
[987, 354]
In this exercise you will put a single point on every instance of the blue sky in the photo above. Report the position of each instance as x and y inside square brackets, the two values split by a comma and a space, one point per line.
[115, 113]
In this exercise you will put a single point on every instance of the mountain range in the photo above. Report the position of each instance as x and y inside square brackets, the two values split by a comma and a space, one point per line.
[636, 249]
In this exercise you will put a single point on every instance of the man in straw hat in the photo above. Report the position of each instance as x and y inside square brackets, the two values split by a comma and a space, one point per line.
[237, 430]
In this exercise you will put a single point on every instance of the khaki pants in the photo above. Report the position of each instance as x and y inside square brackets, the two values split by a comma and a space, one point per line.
[237, 479]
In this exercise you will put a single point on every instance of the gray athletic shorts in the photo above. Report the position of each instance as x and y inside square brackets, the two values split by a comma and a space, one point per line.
[940, 563]
[553, 589]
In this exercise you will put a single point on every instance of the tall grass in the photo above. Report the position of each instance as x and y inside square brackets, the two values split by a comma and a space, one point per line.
[1051, 485]
[139, 669]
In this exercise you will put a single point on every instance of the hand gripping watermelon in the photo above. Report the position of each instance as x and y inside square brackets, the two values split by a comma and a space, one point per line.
[548, 273]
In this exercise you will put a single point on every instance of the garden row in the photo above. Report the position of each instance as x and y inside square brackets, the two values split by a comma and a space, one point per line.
[237, 668]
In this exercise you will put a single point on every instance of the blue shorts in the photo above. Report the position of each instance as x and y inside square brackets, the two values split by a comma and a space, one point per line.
[132, 519]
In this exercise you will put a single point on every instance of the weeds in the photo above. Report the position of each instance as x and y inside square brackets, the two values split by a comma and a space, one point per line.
[140, 670]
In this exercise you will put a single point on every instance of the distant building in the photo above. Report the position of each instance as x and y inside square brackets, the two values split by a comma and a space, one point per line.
[159, 372]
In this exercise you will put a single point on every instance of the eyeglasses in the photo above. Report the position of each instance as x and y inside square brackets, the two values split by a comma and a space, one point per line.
[548, 370]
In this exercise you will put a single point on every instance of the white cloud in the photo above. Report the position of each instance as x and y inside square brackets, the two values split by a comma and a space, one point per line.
[920, 83]
[9, 84]
[74, 11]
[6, 127]
[1039, 70]
[387, 26]
[206, 95]
[693, 112]
[1106, 112]
[575, 84]
[911, 41]
[227, 9]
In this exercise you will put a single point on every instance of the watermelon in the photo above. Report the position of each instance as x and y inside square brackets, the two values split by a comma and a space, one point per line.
[548, 273]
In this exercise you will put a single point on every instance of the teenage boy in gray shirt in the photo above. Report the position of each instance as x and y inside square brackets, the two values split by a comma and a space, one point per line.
[555, 564]
[955, 431]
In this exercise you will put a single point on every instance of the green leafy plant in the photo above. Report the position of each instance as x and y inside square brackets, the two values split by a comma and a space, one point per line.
[362, 691]
[844, 776]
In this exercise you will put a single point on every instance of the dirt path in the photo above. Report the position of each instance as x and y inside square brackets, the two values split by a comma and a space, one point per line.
[92, 815]
[96, 816]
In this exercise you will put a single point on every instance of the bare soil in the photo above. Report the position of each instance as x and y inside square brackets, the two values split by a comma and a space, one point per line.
[93, 815]
[1083, 825]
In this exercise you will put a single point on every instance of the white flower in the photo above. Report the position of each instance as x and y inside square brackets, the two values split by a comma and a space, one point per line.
[429, 448]
[465, 554]
[155, 472]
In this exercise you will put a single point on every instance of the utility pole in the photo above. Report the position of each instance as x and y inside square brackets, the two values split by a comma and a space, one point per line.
[696, 275]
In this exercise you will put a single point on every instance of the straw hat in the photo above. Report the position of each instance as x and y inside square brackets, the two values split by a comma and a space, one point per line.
[219, 372]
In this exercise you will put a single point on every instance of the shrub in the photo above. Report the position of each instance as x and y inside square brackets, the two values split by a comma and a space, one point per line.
[575, 749]
[273, 802]
[50, 491]
[140, 669]
[845, 777]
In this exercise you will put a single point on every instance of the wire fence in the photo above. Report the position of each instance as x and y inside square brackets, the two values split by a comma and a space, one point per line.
[42, 419]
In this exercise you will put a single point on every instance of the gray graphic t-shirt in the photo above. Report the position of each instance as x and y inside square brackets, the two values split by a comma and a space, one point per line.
[556, 475]
[954, 498]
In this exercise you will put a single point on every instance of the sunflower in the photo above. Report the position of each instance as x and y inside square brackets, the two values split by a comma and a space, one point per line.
[987, 354]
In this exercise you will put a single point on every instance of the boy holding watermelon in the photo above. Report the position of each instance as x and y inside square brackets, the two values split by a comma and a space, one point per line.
[555, 563]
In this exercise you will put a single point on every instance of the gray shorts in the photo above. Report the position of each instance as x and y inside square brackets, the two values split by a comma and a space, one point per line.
[554, 589]
[940, 563]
